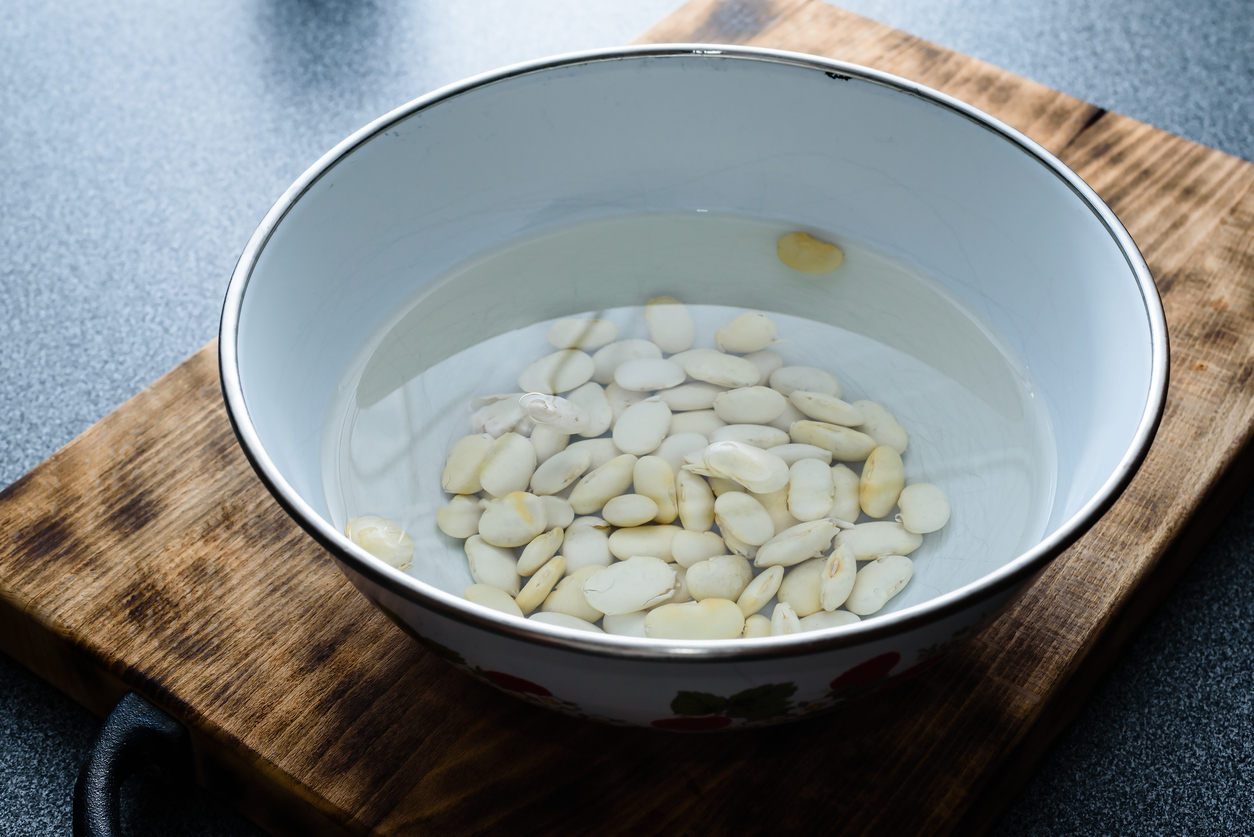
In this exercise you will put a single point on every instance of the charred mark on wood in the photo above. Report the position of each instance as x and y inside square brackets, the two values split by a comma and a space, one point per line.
[1247, 372]
[1219, 336]
[221, 449]
[135, 513]
[317, 655]
[16, 488]
[144, 602]
[45, 538]
[194, 647]
[1096, 114]
[738, 20]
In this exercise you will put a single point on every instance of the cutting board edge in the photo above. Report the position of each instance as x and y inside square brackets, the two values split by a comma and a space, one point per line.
[1064, 706]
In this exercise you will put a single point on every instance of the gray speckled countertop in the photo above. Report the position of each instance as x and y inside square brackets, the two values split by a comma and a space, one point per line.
[141, 142]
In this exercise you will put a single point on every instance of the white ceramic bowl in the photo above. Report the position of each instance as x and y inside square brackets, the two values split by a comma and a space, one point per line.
[1003, 228]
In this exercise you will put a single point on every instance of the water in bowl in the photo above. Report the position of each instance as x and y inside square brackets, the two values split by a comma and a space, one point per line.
[978, 429]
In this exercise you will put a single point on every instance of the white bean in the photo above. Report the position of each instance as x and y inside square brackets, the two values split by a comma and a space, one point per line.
[493, 565]
[642, 427]
[739, 547]
[542, 548]
[504, 414]
[846, 444]
[460, 518]
[607, 358]
[687, 548]
[756, 627]
[602, 450]
[721, 577]
[654, 541]
[493, 597]
[548, 440]
[776, 505]
[568, 598]
[704, 422]
[767, 362]
[760, 591]
[845, 505]
[485, 400]
[680, 593]
[754, 468]
[721, 486]
[871, 540]
[560, 470]
[464, 464]
[793, 453]
[555, 411]
[839, 572]
[749, 332]
[791, 378]
[826, 408]
[739, 515]
[680, 358]
[695, 501]
[676, 446]
[749, 405]
[563, 620]
[537, 589]
[810, 490]
[624, 624]
[784, 621]
[591, 397]
[924, 508]
[382, 538]
[508, 465]
[697, 395]
[514, 520]
[620, 399]
[559, 372]
[877, 582]
[824, 619]
[586, 543]
[802, 585]
[629, 510]
[654, 478]
[788, 418]
[792, 546]
[630, 585]
[670, 325]
[586, 334]
[759, 435]
[714, 367]
[648, 374]
[557, 511]
[883, 477]
[709, 619]
[598, 486]
[882, 426]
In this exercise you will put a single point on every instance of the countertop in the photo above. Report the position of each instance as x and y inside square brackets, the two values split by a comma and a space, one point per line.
[141, 142]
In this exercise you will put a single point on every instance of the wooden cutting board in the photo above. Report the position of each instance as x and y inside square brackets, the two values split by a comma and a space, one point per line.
[145, 555]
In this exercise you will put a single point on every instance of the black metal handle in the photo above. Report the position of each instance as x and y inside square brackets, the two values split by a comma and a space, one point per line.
[136, 734]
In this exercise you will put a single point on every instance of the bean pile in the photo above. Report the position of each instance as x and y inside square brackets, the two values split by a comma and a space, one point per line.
[576, 482]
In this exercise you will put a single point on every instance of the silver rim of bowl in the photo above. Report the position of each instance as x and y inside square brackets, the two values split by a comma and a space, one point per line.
[608, 645]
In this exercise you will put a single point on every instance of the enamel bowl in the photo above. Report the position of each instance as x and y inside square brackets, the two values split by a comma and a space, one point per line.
[344, 292]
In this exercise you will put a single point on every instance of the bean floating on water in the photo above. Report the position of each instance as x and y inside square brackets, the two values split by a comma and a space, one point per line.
[802, 251]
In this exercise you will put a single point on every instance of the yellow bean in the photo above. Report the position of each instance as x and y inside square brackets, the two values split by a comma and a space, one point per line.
[804, 252]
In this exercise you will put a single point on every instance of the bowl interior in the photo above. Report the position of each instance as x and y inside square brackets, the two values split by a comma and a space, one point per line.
[958, 239]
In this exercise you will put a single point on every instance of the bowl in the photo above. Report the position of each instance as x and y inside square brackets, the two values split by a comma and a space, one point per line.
[976, 263]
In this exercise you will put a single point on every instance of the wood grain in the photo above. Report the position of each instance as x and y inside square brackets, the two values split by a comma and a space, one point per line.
[146, 555]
